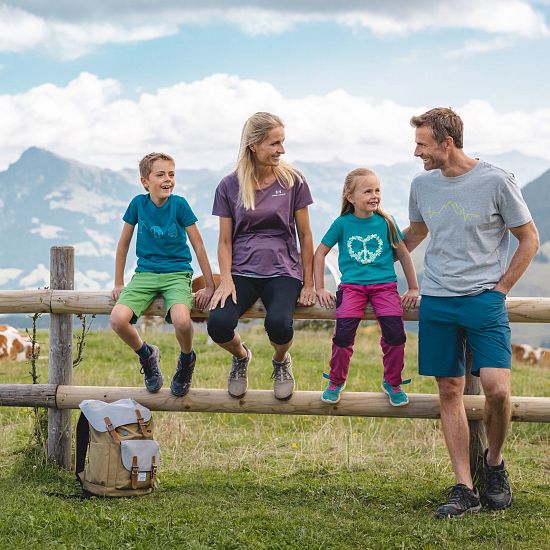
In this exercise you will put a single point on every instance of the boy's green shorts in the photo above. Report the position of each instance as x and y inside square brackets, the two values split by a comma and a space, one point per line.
[175, 288]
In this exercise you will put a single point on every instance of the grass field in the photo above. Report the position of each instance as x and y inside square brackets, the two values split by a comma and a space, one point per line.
[260, 481]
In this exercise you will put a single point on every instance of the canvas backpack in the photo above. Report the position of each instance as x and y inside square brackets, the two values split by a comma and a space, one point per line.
[116, 455]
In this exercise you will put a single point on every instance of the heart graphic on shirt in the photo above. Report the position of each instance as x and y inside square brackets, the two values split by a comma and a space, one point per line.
[357, 248]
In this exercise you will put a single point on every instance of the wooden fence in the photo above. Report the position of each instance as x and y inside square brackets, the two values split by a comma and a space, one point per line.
[60, 396]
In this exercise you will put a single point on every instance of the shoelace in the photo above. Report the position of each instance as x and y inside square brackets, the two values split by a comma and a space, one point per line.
[496, 479]
[238, 369]
[281, 371]
[185, 374]
[459, 495]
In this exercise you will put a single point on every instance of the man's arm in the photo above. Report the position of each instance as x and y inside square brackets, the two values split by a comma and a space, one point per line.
[529, 243]
[415, 234]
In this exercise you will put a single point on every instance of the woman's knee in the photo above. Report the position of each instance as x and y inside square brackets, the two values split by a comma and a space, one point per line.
[220, 327]
[279, 328]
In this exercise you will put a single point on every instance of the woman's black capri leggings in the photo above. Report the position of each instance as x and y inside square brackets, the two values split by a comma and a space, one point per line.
[278, 294]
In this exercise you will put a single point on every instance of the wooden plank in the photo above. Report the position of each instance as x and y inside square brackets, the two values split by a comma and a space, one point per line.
[27, 395]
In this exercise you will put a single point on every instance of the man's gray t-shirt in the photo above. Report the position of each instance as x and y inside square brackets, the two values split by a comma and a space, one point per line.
[468, 217]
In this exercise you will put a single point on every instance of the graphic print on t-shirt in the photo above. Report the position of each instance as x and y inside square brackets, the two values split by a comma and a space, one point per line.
[358, 248]
[457, 209]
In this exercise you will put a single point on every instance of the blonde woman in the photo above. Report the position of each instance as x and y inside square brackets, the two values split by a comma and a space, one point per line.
[263, 212]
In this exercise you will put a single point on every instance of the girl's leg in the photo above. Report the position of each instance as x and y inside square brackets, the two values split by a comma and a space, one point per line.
[389, 314]
[350, 305]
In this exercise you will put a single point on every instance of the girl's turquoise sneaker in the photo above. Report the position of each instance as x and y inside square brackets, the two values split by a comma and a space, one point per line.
[397, 396]
[332, 391]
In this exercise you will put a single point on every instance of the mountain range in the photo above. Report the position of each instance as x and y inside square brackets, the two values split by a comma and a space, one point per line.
[48, 200]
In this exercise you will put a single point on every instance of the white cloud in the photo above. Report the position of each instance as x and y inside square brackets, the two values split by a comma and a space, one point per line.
[200, 124]
[39, 277]
[481, 46]
[71, 29]
[7, 274]
[47, 231]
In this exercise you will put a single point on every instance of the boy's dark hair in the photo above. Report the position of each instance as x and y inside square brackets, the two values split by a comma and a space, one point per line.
[146, 163]
[444, 122]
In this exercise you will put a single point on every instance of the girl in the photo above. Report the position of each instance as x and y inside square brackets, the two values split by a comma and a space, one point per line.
[367, 240]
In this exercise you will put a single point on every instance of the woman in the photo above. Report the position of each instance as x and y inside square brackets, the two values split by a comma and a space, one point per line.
[261, 206]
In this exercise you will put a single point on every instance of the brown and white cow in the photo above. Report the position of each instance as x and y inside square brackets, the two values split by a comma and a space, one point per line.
[15, 346]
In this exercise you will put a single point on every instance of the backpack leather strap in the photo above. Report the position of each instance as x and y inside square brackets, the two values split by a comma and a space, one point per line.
[153, 470]
[141, 422]
[135, 471]
[111, 429]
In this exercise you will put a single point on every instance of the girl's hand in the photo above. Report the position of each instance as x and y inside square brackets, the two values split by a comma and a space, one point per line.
[326, 299]
[202, 297]
[226, 289]
[409, 300]
[307, 296]
[115, 293]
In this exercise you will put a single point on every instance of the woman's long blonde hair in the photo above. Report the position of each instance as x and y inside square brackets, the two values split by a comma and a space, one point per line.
[347, 207]
[255, 130]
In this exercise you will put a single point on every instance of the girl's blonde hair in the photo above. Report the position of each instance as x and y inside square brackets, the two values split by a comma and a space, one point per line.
[347, 207]
[255, 130]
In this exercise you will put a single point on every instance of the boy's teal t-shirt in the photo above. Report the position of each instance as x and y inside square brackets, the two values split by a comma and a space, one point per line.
[365, 256]
[161, 244]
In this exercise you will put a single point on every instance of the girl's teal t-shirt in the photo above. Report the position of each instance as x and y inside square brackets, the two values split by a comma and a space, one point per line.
[161, 243]
[365, 256]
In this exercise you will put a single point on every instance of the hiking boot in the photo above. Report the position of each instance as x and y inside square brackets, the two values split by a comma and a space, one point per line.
[461, 501]
[238, 378]
[283, 381]
[151, 371]
[181, 382]
[332, 391]
[497, 493]
[397, 396]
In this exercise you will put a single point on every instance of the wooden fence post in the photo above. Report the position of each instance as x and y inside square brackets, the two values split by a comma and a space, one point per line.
[61, 357]
[477, 428]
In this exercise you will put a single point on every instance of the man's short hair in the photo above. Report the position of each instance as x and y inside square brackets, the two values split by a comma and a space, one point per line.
[444, 123]
[146, 163]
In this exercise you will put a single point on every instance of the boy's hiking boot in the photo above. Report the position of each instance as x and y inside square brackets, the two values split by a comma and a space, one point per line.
[151, 371]
[497, 493]
[397, 396]
[332, 391]
[283, 381]
[237, 383]
[461, 501]
[181, 383]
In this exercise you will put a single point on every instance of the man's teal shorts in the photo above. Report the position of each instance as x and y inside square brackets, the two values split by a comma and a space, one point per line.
[175, 288]
[448, 323]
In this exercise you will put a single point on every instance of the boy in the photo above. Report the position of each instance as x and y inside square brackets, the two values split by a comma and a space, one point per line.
[164, 266]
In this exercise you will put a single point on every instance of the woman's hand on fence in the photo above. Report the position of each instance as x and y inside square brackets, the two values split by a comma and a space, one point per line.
[115, 293]
[409, 300]
[226, 289]
[326, 298]
[307, 296]
[203, 296]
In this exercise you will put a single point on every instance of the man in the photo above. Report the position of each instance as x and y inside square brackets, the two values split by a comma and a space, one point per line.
[469, 208]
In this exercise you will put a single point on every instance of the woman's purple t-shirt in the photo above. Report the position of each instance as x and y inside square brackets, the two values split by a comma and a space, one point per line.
[264, 239]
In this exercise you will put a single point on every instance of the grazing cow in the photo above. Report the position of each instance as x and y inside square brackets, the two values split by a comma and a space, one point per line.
[15, 346]
[531, 355]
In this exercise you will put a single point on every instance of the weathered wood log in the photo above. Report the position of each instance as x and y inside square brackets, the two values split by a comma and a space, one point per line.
[61, 356]
[422, 405]
[27, 395]
[520, 310]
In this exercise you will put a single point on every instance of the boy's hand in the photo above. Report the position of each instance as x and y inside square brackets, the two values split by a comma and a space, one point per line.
[223, 292]
[202, 297]
[115, 293]
[307, 296]
[326, 298]
[409, 300]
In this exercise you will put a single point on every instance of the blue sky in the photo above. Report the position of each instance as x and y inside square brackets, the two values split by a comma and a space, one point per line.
[105, 82]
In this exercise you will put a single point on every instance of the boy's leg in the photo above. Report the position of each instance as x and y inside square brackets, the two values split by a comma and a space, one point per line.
[183, 326]
[120, 322]
[350, 306]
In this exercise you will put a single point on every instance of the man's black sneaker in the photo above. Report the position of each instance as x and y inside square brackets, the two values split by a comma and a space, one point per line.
[497, 493]
[151, 371]
[461, 501]
[181, 383]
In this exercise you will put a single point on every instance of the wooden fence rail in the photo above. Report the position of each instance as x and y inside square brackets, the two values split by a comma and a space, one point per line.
[59, 395]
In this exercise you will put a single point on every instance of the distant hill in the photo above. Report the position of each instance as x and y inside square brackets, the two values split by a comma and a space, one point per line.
[537, 197]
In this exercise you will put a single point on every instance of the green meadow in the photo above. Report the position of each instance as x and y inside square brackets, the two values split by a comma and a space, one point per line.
[270, 481]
